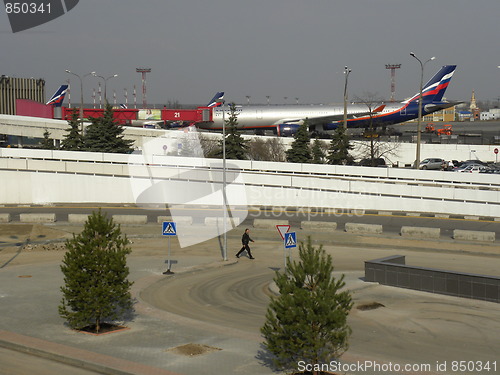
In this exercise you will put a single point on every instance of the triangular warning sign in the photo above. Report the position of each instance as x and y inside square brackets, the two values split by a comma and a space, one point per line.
[282, 229]
[169, 229]
[290, 241]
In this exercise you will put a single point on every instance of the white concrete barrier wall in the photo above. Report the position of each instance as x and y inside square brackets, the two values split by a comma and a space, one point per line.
[361, 190]
[469, 235]
[179, 220]
[420, 232]
[318, 225]
[37, 218]
[4, 218]
[77, 218]
[130, 219]
[219, 221]
[268, 223]
[358, 228]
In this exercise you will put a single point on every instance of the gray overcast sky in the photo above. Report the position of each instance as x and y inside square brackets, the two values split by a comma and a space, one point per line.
[281, 48]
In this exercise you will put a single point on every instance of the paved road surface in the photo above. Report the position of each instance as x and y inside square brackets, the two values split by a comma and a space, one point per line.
[412, 328]
[13, 362]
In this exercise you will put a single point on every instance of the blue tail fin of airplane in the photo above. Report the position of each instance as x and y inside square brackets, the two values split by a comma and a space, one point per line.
[434, 90]
[216, 100]
[58, 97]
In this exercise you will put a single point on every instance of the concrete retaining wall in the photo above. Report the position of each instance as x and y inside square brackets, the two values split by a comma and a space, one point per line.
[394, 272]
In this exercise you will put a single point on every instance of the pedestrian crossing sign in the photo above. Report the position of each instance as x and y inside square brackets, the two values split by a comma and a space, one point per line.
[290, 240]
[169, 228]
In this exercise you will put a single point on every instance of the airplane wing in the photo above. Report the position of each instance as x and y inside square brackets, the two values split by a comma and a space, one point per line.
[330, 118]
[340, 117]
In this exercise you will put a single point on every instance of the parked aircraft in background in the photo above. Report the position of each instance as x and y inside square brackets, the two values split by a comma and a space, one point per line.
[57, 99]
[285, 120]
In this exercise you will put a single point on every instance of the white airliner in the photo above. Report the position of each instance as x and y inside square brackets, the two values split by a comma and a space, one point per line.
[285, 120]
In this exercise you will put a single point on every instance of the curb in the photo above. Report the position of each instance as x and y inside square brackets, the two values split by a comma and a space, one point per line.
[80, 358]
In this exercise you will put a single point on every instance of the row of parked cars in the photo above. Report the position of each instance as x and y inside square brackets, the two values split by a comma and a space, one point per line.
[468, 166]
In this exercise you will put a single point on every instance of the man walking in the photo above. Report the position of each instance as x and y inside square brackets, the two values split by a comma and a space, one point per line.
[245, 239]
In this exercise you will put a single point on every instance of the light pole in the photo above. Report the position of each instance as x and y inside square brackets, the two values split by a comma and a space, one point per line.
[346, 72]
[224, 198]
[105, 83]
[81, 90]
[419, 124]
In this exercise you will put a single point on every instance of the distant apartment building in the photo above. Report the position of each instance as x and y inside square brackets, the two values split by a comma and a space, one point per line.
[492, 114]
[12, 88]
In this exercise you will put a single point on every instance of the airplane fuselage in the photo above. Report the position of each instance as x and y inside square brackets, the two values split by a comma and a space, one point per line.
[287, 119]
[270, 117]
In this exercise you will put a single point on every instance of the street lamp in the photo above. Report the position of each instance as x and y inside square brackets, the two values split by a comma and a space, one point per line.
[224, 197]
[419, 124]
[346, 72]
[105, 82]
[81, 89]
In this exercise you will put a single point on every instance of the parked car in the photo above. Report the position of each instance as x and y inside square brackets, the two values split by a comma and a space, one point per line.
[378, 162]
[469, 162]
[472, 168]
[491, 170]
[431, 163]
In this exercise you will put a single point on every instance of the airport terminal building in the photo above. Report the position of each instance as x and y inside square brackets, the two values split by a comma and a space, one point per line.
[19, 88]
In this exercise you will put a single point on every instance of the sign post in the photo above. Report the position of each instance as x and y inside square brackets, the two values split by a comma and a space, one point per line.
[169, 229]
[290, 241]
[283, 229]
[496, 155]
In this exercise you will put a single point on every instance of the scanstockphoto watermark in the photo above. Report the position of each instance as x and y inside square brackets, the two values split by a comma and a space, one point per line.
[305, 212]
[364, 366]
[24, 15]
[189, 186]
[462, 366]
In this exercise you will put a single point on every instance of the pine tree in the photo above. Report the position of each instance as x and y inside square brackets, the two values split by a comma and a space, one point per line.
[318, 155]
[236, 146]
[105, 135]
[73, 140]
[95, 275]
[308, 320]
[338, 153]
[300, 152]
[47, 143]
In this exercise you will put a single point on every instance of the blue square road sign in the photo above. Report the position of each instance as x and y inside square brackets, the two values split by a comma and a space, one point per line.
[169, 228]
[290, 240]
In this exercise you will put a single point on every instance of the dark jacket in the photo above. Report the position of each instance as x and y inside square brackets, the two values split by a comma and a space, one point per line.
[245, 239]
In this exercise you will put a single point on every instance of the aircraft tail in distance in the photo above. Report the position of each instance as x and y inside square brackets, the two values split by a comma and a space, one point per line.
[434, 90]
[58, 97]
[216, 100]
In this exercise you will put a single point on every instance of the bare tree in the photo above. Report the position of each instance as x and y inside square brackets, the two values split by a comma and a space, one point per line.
[210, 146]
[271, 149]
[377, 148]
[371, 101]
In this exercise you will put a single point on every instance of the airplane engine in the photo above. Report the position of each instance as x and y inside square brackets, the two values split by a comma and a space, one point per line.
[287, 130]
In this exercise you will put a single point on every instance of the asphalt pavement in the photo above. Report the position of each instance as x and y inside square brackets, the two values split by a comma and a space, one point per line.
[220, 305]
